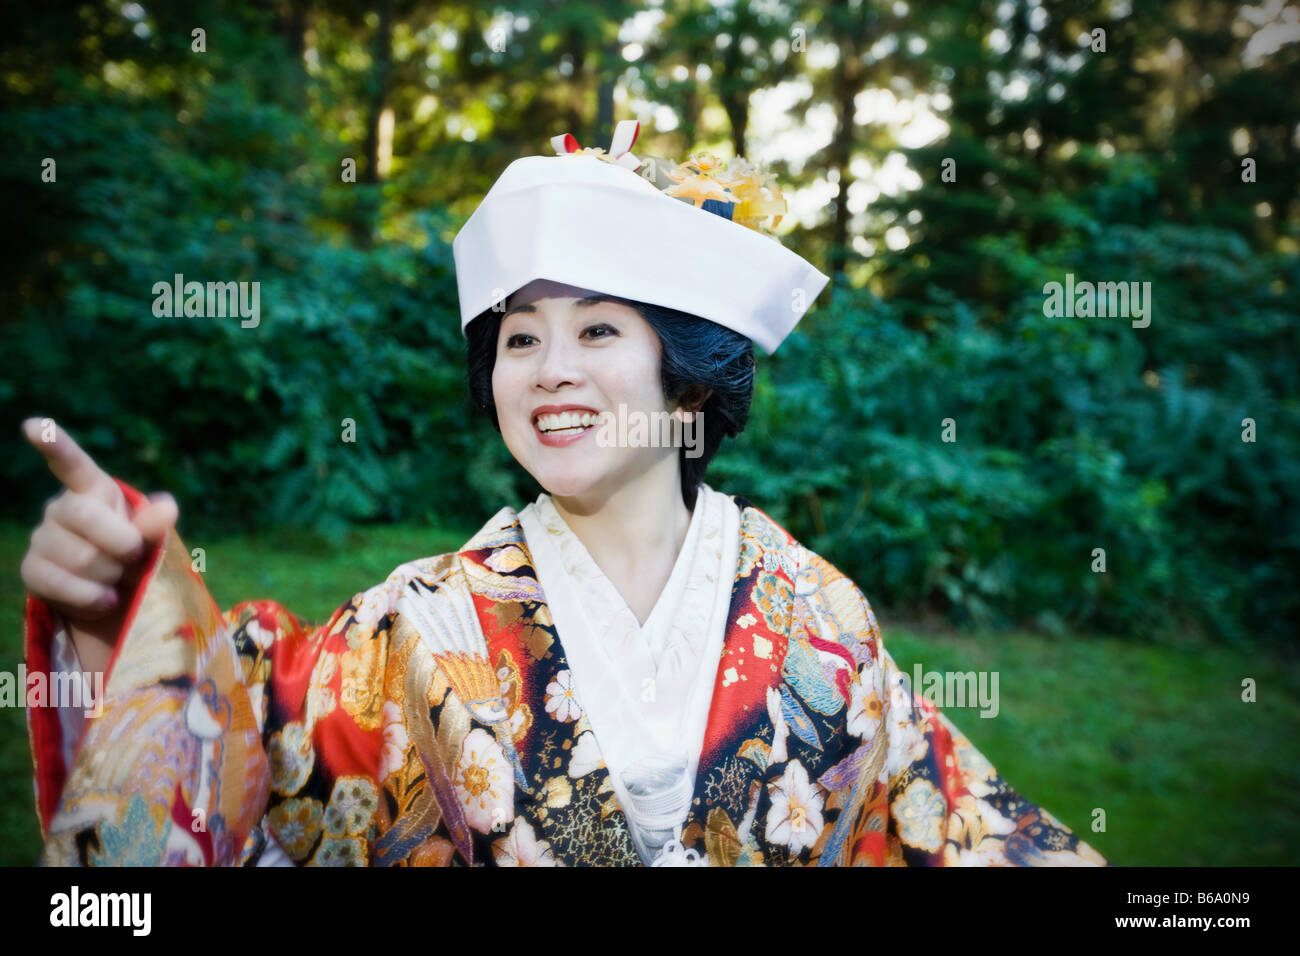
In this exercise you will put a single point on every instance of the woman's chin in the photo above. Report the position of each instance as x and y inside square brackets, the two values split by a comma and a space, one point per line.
[573, 488]
[560, 483]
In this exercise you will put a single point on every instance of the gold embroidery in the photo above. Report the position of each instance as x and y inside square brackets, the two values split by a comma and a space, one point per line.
[362, 690]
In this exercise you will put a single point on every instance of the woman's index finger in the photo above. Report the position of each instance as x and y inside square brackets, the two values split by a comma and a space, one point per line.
[66, 459]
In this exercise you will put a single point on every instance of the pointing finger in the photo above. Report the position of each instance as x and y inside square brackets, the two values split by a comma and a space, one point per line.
[66, 459]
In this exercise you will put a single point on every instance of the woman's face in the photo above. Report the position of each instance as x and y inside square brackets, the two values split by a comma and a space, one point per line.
[562, 349]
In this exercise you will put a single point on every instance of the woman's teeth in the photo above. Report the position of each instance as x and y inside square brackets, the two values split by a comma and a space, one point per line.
[566, 423]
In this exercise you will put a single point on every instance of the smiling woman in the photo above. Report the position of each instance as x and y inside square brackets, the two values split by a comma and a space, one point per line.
[632, 669]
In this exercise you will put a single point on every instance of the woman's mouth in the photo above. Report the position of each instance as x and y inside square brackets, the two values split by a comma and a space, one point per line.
[564, 427]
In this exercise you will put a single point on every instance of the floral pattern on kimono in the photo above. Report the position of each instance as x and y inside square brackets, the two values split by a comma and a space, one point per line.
[434, 720]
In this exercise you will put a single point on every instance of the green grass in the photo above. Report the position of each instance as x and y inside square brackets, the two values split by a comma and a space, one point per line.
[1157, 736]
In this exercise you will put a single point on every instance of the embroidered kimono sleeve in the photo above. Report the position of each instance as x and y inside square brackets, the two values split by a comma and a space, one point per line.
[217, 732]
[948, 806]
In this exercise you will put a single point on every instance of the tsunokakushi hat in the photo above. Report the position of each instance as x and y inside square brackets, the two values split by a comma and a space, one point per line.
[690, 236]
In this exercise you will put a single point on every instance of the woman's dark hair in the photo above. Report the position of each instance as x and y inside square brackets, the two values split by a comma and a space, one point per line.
[698, 357]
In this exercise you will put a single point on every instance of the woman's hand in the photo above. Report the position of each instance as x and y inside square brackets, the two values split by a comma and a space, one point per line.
[88, 542]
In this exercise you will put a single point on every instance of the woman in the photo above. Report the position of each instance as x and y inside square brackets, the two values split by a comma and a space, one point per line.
[634, 669]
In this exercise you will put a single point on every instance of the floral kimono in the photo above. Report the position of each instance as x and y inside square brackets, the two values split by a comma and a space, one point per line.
[435, 720]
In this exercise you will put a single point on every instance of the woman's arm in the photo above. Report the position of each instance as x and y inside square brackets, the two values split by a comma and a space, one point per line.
[215, 730]
[202, 721]
[930, 798]
[949, 806]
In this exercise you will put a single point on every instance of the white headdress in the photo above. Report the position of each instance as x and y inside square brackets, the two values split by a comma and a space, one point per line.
[689, 236]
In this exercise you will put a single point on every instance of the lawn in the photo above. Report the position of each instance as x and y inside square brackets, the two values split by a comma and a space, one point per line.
[1156, 736]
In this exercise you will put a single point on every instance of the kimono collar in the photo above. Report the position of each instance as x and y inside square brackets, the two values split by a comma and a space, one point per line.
[646, 688]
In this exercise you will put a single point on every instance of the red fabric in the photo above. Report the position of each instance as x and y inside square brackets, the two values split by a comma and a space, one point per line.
[870, 846]
[184, 818]
[293, 657]
[42, 722]
[953, 784]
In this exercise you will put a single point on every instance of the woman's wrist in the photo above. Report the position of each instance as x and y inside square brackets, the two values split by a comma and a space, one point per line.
[95, 641]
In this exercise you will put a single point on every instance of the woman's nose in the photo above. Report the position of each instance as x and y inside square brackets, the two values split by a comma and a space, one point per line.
[558, 364]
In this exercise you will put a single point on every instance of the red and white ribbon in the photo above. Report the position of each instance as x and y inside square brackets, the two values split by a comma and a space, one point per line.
[625, 134]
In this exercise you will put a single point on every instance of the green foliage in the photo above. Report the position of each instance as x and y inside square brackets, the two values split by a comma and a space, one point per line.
[245, 425]
[1071, 434]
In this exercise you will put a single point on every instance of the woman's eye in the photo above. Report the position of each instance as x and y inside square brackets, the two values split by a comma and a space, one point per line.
[521, 340]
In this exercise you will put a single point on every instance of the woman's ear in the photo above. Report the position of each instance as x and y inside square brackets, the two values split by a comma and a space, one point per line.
[691, 401]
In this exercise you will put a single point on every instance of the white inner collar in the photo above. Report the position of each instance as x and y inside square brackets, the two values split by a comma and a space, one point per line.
[645, 689]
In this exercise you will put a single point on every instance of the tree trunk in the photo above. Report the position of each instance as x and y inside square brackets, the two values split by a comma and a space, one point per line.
[293, 24]
[381, 54]
[366, 211]
[690, 116]
[607, 68]
[735, 98]
[844, 87]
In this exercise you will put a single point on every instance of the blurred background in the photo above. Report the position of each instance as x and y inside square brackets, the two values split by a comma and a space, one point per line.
[1116, 141]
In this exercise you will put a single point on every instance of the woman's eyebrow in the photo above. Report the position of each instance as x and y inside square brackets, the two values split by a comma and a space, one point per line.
[584, 301]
